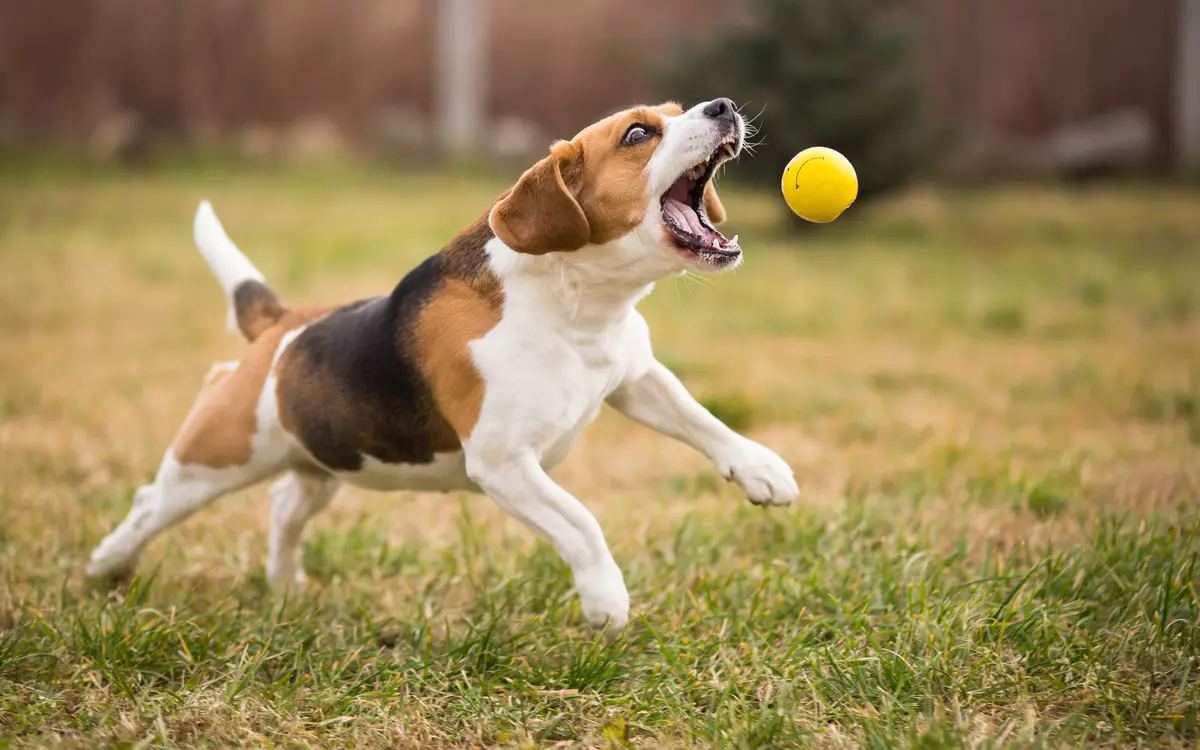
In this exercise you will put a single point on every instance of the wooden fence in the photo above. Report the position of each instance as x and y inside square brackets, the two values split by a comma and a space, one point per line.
[190, 67]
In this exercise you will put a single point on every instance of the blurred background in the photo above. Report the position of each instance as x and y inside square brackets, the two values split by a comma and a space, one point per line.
[1002, 88]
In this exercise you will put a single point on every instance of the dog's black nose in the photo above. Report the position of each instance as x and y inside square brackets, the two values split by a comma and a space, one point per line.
[719, 109]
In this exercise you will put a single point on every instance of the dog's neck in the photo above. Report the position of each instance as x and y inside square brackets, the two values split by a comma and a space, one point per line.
[590, 289]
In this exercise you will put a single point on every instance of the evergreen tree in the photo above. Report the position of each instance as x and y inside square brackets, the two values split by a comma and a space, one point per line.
[834, 73]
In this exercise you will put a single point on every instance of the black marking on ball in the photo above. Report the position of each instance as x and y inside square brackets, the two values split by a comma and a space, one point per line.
[802, 165]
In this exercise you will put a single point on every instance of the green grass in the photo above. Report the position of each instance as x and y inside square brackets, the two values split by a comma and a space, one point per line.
[989, 399]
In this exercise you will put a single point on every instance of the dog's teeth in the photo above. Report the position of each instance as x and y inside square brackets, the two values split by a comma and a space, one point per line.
[732, 241]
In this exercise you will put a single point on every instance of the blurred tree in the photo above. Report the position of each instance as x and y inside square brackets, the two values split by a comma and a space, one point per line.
[834, 73]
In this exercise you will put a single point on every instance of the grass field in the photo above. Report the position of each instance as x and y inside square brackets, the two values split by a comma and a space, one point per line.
[991, 400]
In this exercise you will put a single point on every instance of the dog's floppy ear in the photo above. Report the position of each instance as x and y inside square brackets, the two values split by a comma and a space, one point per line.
[712, 205]
[540, 214]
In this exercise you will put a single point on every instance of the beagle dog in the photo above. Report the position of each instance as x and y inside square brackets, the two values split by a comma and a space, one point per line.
[482, 367]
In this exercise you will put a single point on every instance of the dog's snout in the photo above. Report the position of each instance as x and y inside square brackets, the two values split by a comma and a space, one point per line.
[719, 109]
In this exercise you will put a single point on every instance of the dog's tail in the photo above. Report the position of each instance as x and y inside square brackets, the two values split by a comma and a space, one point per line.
[253, 307]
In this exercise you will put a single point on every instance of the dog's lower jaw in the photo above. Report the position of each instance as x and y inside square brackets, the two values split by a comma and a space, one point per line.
[604, 598]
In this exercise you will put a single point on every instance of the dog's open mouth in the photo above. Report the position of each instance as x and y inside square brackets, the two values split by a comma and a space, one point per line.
[683, 211]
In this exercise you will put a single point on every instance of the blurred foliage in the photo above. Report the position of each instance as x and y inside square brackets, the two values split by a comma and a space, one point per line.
[814, 72]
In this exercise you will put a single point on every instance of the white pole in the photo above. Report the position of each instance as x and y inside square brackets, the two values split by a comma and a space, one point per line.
[1187, 87]
[459, 75]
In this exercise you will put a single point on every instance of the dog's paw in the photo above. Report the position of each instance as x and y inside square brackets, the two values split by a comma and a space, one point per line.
[604, 598]
[108, 573]
[113, 561]
[763, 476]
[289, 581]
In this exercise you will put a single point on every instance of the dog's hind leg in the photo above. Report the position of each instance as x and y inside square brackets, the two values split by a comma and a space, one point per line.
[178, 491]
[230, 440]
[295, 498]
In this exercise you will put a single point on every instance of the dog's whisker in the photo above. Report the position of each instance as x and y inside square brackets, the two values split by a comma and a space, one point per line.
[759, 114]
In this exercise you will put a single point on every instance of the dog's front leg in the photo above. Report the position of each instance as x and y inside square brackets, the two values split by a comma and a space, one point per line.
[658, 400]
[519, 485]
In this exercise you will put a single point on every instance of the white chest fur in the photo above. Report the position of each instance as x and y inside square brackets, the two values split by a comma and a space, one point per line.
[556, 354]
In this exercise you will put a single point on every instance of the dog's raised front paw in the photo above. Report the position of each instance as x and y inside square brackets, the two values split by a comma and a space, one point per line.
[763, 476]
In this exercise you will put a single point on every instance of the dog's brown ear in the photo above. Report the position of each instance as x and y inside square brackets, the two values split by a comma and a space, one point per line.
[540, 214]
[712, 205]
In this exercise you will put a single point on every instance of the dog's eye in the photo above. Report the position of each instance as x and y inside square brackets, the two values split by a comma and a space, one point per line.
[636, 134]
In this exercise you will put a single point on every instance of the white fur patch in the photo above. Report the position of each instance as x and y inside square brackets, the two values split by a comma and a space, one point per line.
[446, 473]
[228, 264]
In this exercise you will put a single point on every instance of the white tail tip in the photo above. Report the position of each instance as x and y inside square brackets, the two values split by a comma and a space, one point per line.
[228, 263]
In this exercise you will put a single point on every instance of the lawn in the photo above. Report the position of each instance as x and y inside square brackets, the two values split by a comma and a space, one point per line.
[991, 400]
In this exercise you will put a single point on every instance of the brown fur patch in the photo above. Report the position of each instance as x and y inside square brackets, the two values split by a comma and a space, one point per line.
[589, 190]
[456, 315]
[257, 308]
[464, 259]
[338, 420]
[540, 214]
[611, 183]
[218, 429]
[383, 378]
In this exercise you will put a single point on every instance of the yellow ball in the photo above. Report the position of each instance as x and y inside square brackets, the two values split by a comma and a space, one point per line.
[819, 184]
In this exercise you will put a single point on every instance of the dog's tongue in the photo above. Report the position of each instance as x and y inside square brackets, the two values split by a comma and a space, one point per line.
[683, 215]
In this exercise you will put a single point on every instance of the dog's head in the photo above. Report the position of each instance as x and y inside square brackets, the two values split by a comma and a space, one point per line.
[634, 188]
